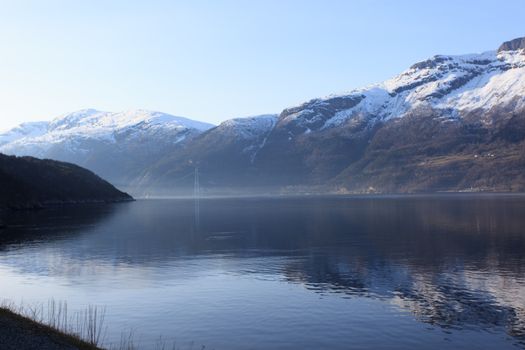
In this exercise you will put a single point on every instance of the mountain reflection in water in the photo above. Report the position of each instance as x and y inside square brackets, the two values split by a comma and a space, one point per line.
[455, 262]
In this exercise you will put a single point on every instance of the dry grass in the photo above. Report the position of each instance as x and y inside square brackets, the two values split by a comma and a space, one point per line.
[84, 329]
[70, 339]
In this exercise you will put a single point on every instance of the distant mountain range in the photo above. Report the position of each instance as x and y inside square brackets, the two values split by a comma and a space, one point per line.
[116, 146]
[450, 123]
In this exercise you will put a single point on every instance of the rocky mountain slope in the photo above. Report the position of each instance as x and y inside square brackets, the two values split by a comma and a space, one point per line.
[450, 123]
[28, 182]
[225, 156]
[116, 146]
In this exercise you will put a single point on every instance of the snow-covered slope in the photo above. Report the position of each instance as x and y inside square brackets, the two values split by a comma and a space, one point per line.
[445, 124]
[90, 121]
[460, 84]
[252, 130]
[114, 145]
[24, 130]
[248, 127]
[36, 139]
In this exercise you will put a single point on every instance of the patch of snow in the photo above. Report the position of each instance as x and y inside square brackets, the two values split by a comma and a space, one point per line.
[372, 103]
[24, 130]
[496, 87]
[250, 127]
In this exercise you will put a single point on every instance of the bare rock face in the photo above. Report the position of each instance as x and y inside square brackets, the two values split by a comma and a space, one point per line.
[513, 45]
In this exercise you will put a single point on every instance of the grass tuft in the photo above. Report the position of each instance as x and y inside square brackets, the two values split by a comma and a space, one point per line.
[84, 329]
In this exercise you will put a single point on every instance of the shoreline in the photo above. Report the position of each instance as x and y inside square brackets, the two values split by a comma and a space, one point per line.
[336, 195]
[38, 205]
[21, 332]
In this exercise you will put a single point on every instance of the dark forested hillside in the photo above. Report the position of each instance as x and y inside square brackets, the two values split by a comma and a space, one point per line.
[27, 182]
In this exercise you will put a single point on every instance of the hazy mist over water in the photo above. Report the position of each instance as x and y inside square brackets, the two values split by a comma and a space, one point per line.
[433, 272]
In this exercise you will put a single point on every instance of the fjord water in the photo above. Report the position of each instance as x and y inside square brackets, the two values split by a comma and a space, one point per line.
[413, 272]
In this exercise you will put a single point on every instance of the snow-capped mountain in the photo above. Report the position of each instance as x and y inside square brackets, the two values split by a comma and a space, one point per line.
[37, 138]
[460, 84]
[114, 145]
[93, 122]
[450, 123]
[447, 123]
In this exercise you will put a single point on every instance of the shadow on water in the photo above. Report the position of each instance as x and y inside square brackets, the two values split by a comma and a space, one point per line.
[457, 262]
[27, 227]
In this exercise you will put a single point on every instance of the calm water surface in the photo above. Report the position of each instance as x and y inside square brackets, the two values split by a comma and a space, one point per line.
[290, 273]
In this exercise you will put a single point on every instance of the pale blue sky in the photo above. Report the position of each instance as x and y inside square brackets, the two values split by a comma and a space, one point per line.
[214, 60]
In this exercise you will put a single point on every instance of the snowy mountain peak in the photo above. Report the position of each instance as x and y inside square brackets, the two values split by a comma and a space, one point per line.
[75, 133]
[456, 84]
[74, 119]
[256, 119]
[91, 120]
[117, 146]
[249, 127]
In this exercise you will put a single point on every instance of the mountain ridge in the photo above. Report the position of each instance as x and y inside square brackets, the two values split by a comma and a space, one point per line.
[430, 128]
[352, 142]
[114, 145]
